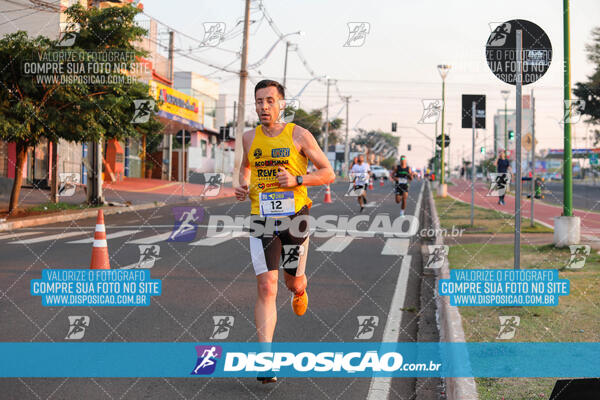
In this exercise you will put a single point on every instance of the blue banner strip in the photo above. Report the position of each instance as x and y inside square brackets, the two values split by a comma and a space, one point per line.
[302, 359]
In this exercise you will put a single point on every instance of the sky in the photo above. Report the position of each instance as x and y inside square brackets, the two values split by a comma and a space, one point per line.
[395, 68]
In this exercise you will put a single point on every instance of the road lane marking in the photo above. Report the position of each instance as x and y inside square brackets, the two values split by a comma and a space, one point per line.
[379, 389]
[18, 235]
[161, 237]
[395, 247]
[219, 238]
[108, 237]
[51, 237]
[336, 244]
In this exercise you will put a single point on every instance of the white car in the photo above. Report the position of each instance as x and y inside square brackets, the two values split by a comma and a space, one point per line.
[377, 171]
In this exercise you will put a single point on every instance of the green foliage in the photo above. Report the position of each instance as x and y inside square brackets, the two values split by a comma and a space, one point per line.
[389, 163]
[589, 91]
[75, 112]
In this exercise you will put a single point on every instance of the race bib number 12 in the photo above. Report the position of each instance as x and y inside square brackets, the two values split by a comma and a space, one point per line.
[277, 204]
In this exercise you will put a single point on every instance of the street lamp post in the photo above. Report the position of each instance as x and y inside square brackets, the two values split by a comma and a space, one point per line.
[443, 69]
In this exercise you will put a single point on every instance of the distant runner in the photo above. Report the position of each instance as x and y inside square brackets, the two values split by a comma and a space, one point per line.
[359, 174]
[402, 175]
[273, 174]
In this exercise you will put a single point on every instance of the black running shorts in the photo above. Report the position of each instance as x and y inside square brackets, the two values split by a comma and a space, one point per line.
[288, 247]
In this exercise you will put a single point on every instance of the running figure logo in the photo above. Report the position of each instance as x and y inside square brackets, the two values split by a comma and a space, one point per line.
[223, 324]
[573, 110]
[68, 34]
[67, 183]
[207, 359]
[148, 255]
[291, 255]
[500, 182]
[366, 326]
[77, 325]
[358, 186]
[432, 109]
[508, 327]
[357, 34]
[500, 35]
[212, 184]
[143, 109]
[437, 255]
[186, 223]
[579, 254]
[214, 33]
[287, 110]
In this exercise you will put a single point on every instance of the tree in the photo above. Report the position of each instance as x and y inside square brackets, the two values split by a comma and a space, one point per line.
[590, 91]
[377, 142]
[33, 110]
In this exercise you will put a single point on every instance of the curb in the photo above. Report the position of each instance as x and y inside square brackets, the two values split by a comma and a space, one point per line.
[449, 320]
[62, 217]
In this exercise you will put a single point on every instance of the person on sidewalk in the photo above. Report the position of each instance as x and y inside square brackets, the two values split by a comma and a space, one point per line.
[502, 166]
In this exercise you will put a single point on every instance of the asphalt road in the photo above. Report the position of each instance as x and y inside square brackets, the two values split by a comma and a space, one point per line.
[347, 278]
[585, 197]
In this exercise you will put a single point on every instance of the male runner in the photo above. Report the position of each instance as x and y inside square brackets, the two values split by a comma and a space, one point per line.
[360, 173]
[273, 174]
[402, 174]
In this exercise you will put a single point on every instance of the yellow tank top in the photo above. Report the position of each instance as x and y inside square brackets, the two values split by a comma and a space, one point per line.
[265, 156]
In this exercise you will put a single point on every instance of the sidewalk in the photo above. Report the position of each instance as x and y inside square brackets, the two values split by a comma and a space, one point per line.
[544, 213]
[135, 192]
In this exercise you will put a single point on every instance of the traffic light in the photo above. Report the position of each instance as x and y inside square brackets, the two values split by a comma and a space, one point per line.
[394, 126]
[511, 135]
[482, 150]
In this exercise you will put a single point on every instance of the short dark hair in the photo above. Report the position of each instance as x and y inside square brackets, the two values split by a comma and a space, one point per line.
[265, 83]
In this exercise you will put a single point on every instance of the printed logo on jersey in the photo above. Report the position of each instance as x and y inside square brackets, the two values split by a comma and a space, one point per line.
[280, 152]
[266, 172]
[257, 153]
[270, 163]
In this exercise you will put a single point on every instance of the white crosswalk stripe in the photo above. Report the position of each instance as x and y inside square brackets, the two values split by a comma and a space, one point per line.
[395, 247]
[58, 236]
[18, 235]
[161, 237]
[113, 235]
[336, 244]
[219, 238]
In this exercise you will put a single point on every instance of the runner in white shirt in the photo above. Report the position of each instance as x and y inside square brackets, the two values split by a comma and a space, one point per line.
[360, 176]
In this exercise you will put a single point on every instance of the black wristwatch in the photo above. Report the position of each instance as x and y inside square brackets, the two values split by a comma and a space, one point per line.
[299, 180]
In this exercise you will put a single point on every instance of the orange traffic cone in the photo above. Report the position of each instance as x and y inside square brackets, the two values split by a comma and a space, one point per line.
[100, 249]
[371, 184]
[327, 195]
[380, 181]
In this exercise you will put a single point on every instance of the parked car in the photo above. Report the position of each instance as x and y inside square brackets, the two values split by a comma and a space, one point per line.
[377, 171]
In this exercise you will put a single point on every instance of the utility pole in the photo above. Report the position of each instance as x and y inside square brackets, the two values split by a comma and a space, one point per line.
[241, 99]
[518, 183]
[532, 155]
[567, 171]
[287, 47]
[169, 137]
[346, 147]
[326, 141]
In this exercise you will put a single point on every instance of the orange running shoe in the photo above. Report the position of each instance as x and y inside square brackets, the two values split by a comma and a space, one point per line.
[300, 303]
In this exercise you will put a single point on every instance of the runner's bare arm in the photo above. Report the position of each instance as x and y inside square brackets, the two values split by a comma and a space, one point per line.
[242, 191]
[306, 144]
